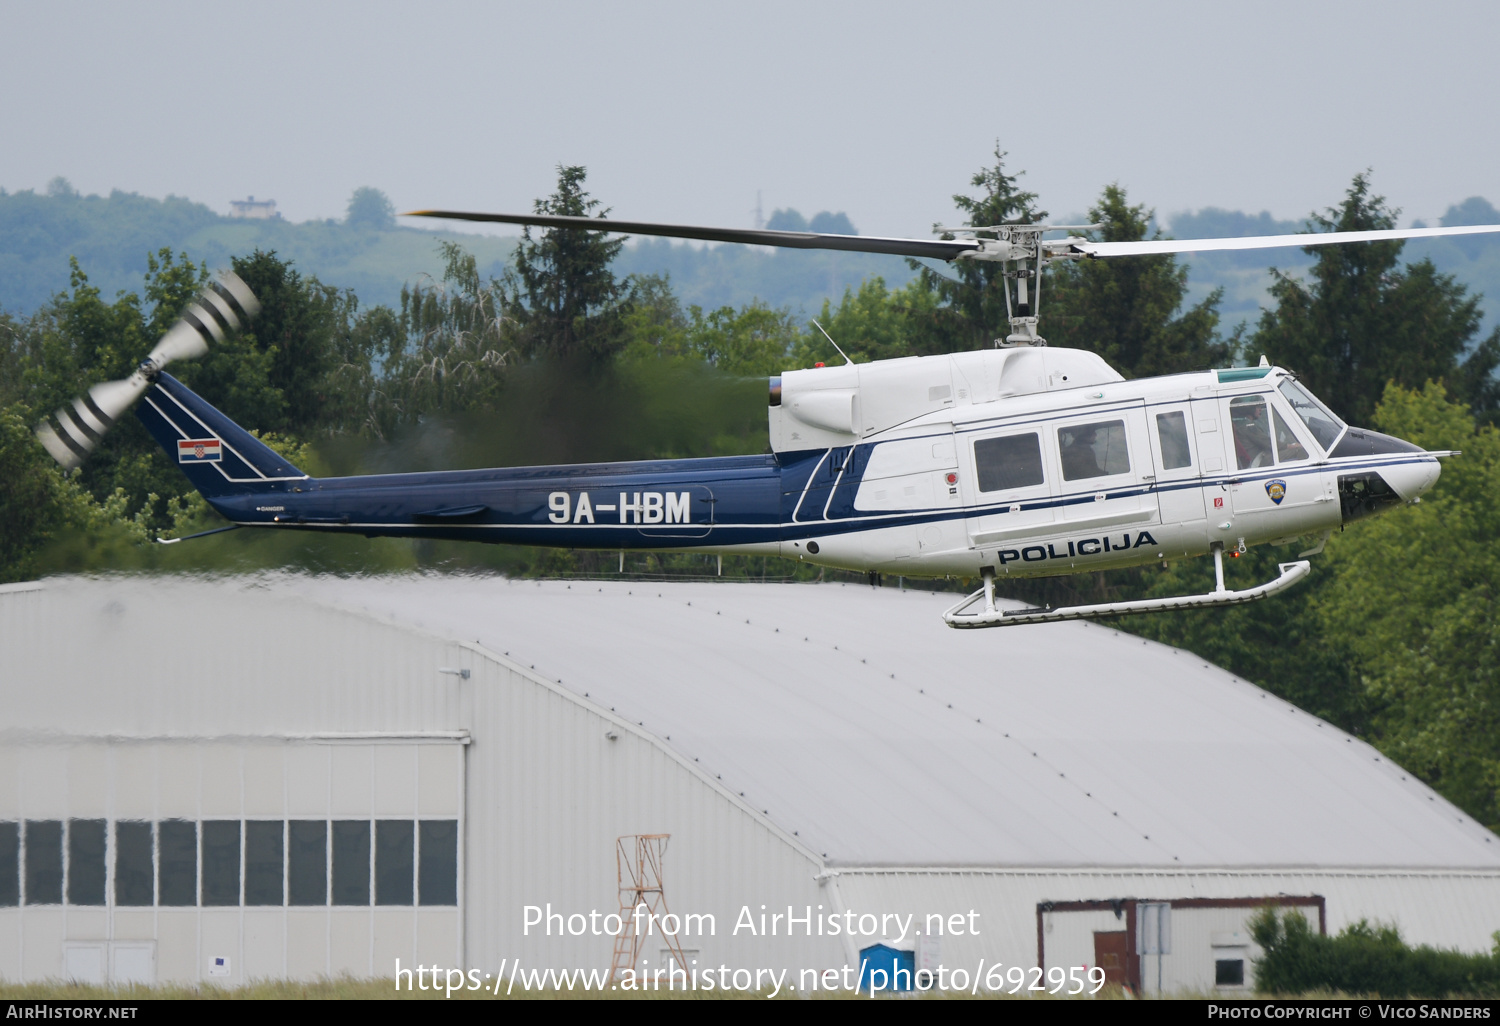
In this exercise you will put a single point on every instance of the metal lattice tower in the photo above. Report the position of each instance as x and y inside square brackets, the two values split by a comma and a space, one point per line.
[638, 868]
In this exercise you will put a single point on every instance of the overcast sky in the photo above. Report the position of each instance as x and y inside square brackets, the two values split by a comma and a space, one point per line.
[682, 111]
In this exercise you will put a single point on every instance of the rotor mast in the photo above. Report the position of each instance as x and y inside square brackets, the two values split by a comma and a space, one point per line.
[1023, 251]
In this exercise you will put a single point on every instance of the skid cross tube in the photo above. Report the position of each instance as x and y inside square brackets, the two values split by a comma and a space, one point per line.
[988, 616]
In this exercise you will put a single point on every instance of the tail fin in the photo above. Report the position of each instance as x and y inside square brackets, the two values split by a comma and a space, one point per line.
[218, 456]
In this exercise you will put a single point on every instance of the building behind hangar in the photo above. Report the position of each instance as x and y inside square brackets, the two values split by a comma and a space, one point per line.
[285, 776]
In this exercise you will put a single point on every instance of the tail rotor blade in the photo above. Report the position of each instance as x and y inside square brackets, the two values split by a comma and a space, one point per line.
[223, 306]
[73, 432]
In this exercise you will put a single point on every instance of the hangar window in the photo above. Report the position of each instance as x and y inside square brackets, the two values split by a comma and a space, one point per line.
[177, 862]
[437, 874]
[1093, 450]
[10, 864]
[263, 861]
[86, 861]
[134, 883]
[44, 862]
[1014, 461]
[221, 862]
[394, 861]
[307, 862]
[1229, 972]
[351, 862]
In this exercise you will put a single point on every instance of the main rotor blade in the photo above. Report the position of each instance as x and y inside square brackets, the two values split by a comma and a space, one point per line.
[941, 249]
[1153, 246]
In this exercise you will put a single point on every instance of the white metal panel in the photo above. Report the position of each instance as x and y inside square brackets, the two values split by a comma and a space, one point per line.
[832, 703]
[132, 781]
[760, 746]
[440, 778]
[1451, 909]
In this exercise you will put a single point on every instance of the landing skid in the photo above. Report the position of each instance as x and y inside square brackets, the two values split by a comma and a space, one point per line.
[964, 615]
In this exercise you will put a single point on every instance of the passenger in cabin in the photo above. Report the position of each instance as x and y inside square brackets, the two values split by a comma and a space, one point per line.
[1079, 459]
[1252, 436]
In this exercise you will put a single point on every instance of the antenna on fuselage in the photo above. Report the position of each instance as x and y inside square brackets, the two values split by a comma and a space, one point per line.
[833, 343]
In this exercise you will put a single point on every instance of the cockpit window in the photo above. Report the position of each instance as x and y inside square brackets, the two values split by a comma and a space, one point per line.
[1325, 427]
[1252, 432]
[1288, 449]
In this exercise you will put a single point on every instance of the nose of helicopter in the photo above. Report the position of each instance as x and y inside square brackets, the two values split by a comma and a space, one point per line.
[1366, 492]
[1411, 480]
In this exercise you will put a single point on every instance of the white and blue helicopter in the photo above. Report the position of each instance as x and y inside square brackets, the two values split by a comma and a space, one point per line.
[1016, 461]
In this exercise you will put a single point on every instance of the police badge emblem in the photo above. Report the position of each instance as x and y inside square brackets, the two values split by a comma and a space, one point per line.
[1276, 490]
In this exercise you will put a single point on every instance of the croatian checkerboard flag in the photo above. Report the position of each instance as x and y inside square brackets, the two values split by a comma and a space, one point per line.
[199, 450]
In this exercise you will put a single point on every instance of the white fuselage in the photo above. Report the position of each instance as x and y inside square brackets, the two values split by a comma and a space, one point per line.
[1070, 478]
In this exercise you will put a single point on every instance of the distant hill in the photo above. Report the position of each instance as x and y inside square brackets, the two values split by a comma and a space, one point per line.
[1244, 276]
[111, 235]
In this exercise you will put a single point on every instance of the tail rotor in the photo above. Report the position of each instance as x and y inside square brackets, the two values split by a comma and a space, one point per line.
[225, 305]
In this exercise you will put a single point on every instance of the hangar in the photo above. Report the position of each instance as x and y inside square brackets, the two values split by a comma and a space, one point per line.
[223, 779]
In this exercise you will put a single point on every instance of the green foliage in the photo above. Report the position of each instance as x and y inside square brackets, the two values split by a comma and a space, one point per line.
[446, 352]
[970, 309]
[1363, 321]
[370, 208]
[1363, 959]
[1413, 597]
[568, 304]
[1130, 311]
[873, 323]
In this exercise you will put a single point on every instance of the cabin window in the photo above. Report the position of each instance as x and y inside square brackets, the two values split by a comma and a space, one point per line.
[1288, 449]
[134, 871]
[1014, 461]
[1252, 432]
[1171, 431]
[1325, 427]
[1093, 450]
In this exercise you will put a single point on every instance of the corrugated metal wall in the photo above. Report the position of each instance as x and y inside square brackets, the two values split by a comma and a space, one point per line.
[1453, 909]
[123, 662]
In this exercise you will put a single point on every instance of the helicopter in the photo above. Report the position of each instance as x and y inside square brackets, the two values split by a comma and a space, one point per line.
[1021, 460]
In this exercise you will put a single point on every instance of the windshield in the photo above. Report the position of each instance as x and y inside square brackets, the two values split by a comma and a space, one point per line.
[1325, 427]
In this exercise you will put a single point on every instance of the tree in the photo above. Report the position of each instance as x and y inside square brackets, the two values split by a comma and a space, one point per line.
[873, 323]
[565, 298]
[1130, 311]
[446, 352]
[971, 311]
[1364, 320]
[370, 208]
[1415, 599]
[752, 341]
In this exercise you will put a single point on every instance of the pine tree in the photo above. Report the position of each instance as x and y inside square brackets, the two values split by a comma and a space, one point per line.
[567, 301]
[1129, 311]
[1364, 319]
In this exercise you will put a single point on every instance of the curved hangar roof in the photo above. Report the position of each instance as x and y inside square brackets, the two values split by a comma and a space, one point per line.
[854, 717]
